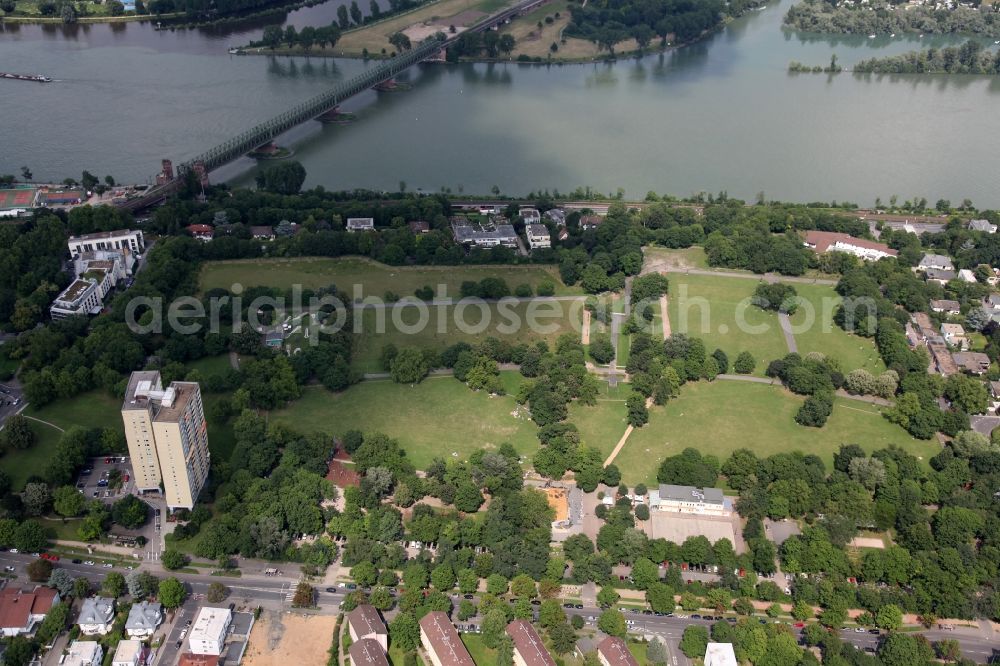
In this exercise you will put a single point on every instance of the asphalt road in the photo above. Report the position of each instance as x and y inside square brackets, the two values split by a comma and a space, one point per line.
[251, 590]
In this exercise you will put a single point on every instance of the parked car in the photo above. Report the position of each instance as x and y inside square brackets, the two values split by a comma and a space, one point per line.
[76, 561]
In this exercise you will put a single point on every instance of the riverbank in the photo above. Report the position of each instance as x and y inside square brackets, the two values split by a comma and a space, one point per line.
[881, 18]
[29, 19]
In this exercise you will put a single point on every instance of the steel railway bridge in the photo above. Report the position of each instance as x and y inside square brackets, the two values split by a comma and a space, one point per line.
[313, 108]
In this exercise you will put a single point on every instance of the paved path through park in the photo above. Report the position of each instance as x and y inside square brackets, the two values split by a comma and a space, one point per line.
[786, 329]
[665, 316]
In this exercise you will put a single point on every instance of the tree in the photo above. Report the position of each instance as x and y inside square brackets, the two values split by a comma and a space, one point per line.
[216, 593]
[523, 586]
[889, 617]
[405, 631]
[638, 413]
[694, 641]
[409, 366]
[601, 349]
[283, 178]
[173, 559]
[304, 596]
[113, 585]
[656, 652]
[607, 596]
[494, 624]
[506, 43]
[62, 581]
[364, 573]
[39, 570]
[342, 17]
[966, 393]
[141, 584]
[443, 577]
[171, 593]
[660, 597]
[35, 498]
[17, 433]
[356, 14]
[563, 638]
[496, 584]
[29, 537]
[745, 363]
[400, 41]
[68, 501]
[612, 622]
[130, 512]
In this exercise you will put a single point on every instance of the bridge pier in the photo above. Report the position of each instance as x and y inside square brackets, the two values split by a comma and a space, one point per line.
[270, 151]
[387, 85]
[335, 115]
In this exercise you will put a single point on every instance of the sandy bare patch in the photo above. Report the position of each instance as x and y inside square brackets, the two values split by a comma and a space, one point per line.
[288, 638]
[464, 19]
[867, 542]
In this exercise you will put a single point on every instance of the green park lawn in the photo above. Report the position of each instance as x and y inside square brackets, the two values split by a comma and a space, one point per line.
[482, 655]
[664, 258]
[437, 418]
[446, 325]
[95, 409]
[211, 365]
[820, 334]
[602, 425]
[375, 279]
[709, 307]
[719, 417]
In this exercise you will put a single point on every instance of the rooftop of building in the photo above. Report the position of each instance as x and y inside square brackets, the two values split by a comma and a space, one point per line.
[102, 235]
[444, 639]
[128, 650]
[210, 624]
[367, 652]
[191, 659]
[822, 240]
[96, 610]
[616, 652]
[17, 605]
[537, 229]
[691, 494]
[75, 291]
[140, 382]
[528, 644]
[365, 620]
[183, 392]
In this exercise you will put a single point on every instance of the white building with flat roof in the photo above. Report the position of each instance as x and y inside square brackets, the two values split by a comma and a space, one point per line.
[687, 499]
[84, 653]
[129, 653]
[208, 633]
[123, 239]
[720, 654]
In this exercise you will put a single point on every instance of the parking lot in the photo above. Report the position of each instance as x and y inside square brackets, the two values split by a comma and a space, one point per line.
[95, 480]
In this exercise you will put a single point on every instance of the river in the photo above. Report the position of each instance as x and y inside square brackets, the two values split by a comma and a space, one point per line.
[721, 115]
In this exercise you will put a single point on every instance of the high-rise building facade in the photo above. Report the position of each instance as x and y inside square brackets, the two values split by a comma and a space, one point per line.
[167, 437]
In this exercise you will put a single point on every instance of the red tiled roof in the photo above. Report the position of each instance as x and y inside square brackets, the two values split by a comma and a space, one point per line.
[616, 652]
[17, 605]
[365, 620]
[822, 240]
[528, 644]
[191, 659]
[201, 229]
[444, 640]
[367, 652]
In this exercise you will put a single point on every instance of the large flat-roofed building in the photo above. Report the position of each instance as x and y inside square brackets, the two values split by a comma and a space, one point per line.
[167, 437]
[124, 239]
[443, 645]
[365, 622]
[84, 653]
[687, 499]
[528, 647]
[208, 634]
[81, 298]
[613, 651]
[478, 235]
[367, 652]
[831, 241]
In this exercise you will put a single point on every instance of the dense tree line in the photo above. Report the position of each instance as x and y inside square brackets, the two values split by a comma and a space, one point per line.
[608, 24]
[884, 18]
[970, 58]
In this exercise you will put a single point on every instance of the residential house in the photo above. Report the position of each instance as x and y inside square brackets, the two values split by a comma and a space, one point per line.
[563, 234]
[946, 306]
[720, 654]
[613, 651]
[538, 236]
[365, 622]
[262, 232]
[822, 242]
[203, 232]
[530, 215]
[360, 224]
[936, 261]
[469, 234]
[528, 647]
[96, 616]
[994, 396]
[131, 653]
[954, 335]
[965, 275]
[84, 653]
[367, 652]
[982, 225]
[687, 499]
[189, 659]
[208, 635]
[441, 641]
[942, 360]
[590, 221]
[976, 363]
[940, 275]
[557, 216]
[419, 226]
[21, 610]
[143, 619]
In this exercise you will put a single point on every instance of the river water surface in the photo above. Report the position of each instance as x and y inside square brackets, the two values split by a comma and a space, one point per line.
[721, 115]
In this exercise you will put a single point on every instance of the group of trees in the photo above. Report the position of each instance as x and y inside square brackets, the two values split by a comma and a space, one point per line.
[970, 58]
[816, 376]
[677, 21]
[476, 44]
[273, 37]
[884, 18]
